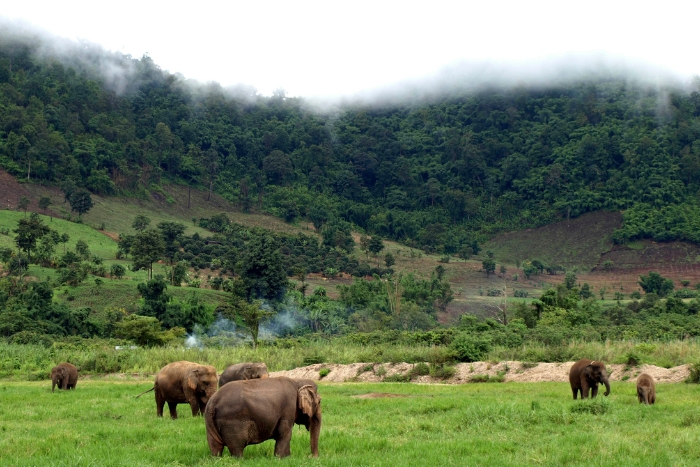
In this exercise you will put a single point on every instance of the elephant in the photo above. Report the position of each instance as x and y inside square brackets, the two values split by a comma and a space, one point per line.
[183, 382]
[646, 389]
[586, 374]
[64, 375]
[255, 410]
[243, 371]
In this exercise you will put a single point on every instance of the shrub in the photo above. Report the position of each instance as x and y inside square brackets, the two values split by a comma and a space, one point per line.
[442, 371]
[313, 359]
[470, 348]
[397, 378]
[499, 378]
[419, 369]
[694, 376]
[28, 337]
[521, 293]
[323, 372]
[365, 369]
[632, 359]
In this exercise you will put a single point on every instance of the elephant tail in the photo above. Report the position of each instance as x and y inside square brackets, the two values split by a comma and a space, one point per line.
[210, 424]
[144, 392]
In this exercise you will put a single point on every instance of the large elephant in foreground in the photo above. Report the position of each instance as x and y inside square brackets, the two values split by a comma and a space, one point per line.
[253, 411]
[243, 371]
[64, 375]
[585, 375]
[183, 383]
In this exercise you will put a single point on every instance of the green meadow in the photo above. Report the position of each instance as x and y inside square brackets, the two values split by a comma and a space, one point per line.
[524, 424]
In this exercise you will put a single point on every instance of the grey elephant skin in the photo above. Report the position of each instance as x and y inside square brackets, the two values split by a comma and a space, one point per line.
[183, 383]
[646, 389]
[253, 411]
[64, 375]
[243, 371]
[585, 375]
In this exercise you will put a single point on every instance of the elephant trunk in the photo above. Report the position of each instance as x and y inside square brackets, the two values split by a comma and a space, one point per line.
[607, 387]
[53, 384]
[315, 431]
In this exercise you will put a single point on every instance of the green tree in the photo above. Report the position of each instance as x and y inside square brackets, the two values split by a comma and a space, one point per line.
[655, 283]
[262, 269]
[147, 247]
[489, 265]
[80, 201]
[570, 280]
[140, 223]
[117, 271]
[251, 316]
[389, 260]
[28, 232]
[155, 297]
[375, 247]
[171, 233]
[23, 204]
[44, 203]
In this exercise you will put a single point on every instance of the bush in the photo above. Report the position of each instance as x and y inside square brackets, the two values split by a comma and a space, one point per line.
[499, 378]
[694, 376]
[28, 337]
[419, 369]
[442, 371]
[323, 372]
[521, 293]
[470, 348]
[397, 378]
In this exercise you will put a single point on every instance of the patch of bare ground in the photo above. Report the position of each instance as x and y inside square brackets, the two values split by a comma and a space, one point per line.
[465, 372]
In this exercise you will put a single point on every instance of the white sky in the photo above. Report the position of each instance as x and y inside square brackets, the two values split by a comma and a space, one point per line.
[332, 48]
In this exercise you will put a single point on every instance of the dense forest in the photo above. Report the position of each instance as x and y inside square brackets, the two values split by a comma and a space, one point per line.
[438, 174]
[442, 175]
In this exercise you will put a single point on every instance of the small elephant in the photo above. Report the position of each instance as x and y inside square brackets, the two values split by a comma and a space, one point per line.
[65, 375]
[183, 383]
[243, 371]
[253, 411]
[646, 389]
[585, 375]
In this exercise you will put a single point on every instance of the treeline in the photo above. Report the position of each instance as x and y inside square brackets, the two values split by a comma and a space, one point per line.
[436, 175]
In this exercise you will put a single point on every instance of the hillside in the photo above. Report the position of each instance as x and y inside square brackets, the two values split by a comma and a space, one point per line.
[438, 175]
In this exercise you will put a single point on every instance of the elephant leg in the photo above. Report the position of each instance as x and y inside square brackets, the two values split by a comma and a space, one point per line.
[594, 391]
[283, 438]
[202, 406]
[160, 403]
[173, 410]
[194, 405]
[575, 391]
[216, 448]
[584, 391]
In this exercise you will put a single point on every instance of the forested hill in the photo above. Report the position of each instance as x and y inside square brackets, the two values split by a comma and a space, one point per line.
[439, 175]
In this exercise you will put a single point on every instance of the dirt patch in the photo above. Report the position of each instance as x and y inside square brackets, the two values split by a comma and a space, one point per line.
[378, 395]
[464, 372]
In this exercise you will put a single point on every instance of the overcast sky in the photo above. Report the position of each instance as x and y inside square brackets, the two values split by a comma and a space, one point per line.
[333, 48]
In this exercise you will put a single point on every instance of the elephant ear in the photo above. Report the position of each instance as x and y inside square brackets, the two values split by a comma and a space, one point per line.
[588, 370]
[192, 378]
[308, 400]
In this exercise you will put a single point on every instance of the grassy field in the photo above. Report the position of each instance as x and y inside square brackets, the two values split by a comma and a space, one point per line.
[524, 424]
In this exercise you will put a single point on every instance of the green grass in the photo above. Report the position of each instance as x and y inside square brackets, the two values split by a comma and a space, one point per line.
[100, 245]
[524, 424]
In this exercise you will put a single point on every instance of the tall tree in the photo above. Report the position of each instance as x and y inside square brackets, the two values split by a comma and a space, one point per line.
[80, 201]
[29, 231]
[263, 271]
[147, 247]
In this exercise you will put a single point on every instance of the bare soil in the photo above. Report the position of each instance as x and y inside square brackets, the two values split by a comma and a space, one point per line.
[464, 372]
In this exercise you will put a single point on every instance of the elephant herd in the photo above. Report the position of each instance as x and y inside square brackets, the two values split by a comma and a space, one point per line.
[585, 375]
[249, 407]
